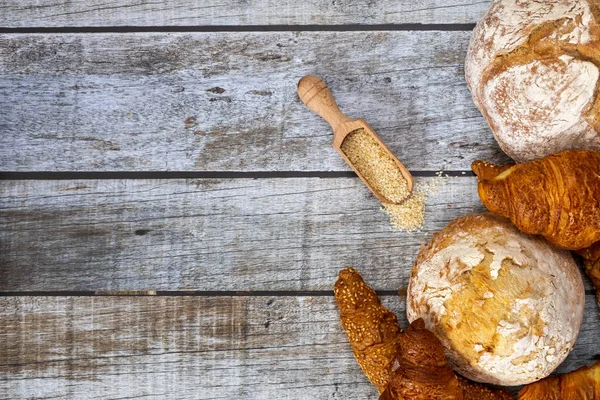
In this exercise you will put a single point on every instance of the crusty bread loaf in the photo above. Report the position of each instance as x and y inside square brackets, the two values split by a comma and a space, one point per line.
[507, 306]
[533, 70]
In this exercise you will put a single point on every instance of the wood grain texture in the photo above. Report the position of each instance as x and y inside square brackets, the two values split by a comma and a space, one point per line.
[193, 348]
[241, 234]
[228, 102]
[205, 234]
[83, 13]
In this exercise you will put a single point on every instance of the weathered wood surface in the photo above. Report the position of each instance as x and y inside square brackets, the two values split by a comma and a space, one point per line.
[193, 347]
[227, 101]
[85, 13]
[205, 234]
[209, 234]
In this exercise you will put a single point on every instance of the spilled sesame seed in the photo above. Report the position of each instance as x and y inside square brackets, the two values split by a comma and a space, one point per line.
[379, 169]
[410, 215]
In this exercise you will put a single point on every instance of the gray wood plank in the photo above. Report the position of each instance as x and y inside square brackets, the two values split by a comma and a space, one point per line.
[227, 101]
[193, 348]
[209, 234]
[82, 13]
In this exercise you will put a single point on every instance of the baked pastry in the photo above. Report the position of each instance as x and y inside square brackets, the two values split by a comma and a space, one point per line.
[533, 70]
[411, 365]
[591, 261]
[507, 306]
[421, 371]
[557, 196]
[476, 391]
[581, 384]
[372, 329]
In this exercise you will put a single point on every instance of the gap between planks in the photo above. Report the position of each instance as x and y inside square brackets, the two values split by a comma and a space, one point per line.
[201, 293]
[228, 13]
[249, 28]
[182, 293]
[71, 175]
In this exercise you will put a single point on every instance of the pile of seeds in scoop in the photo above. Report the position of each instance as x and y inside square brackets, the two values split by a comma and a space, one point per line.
[375, 165]
[382, 173]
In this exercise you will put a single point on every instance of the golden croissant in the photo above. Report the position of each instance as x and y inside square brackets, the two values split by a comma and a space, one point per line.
[477, 391]
[402, 366]
[372, 329]
[557, 197]
[421, 371]
[591, 257]
[582, 384]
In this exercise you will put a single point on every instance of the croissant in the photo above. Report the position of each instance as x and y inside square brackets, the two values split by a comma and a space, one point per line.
[420, 371]
[402, 366]
[477, 391]
[581, 384]
[372, 329]
[591, 257]
[557, 196]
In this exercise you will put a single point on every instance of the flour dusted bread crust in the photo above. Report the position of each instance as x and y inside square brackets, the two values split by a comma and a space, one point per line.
[533, 70]
[507, 306]
[410, 365]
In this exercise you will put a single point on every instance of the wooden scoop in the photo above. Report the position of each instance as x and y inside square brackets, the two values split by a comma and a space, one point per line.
[316, 95]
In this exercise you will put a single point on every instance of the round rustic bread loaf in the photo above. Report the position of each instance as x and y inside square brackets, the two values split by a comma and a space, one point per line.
[533, 69]
[507, 306]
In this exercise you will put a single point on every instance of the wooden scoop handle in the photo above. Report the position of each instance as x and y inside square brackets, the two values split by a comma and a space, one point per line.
[316, 95]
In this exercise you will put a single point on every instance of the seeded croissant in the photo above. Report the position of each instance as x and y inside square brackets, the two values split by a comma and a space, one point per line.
[581, 384]
[557, 196]
[372, 329]
[402, 366]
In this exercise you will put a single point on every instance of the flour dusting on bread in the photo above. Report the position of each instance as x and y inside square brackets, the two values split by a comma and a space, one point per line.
[507, 306]
[533, 70]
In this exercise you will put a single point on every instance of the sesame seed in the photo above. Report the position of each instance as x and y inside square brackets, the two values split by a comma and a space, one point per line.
[379, 169]
[410, 215]
[375, 165]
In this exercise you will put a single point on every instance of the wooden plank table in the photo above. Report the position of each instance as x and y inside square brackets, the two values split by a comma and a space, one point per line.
[172, 218]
